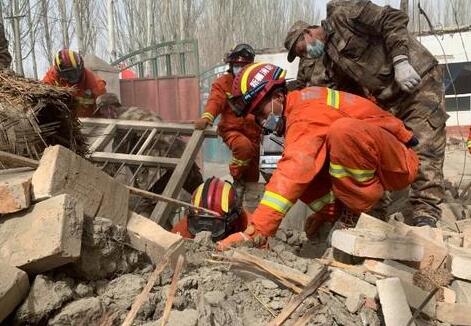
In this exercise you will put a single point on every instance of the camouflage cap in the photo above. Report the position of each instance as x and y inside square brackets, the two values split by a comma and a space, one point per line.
[293, 35]
[107, 99]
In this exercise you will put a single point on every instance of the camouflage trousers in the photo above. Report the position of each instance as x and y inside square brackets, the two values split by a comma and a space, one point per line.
[424, 113]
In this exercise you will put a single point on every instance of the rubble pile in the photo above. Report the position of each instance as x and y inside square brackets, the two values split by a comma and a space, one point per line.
[34, 115]
[72, 253]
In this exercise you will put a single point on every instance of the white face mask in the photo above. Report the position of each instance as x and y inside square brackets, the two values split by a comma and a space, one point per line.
[236, 69]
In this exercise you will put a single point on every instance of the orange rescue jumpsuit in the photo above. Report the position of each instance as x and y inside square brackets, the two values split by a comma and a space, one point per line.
[241, 135]
[86, 91]
[338, 146]
[182, 226]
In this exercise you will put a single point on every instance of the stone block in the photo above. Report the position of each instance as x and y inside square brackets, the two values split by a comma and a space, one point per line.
[47, 235]
[348, 285]
[369, 222]
[147, 236]
[390, 268]
[61, 171]
[14, 286]
[454, 313]
[15, 192]
[416, 296]
[462, 290]
[393, 301]
[460, 267]
[376, 244]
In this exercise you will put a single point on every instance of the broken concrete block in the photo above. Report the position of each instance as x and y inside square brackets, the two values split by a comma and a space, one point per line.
[44, 297]
[47, 235]
[347, 285]
[447, 295]
[390, 268]
[393, 301]
[376, 244]
[462, 290]
[14, 286]
[454, 313]
[147, 236]
[354, 303]
[431, 239]
[467, 238]
[460, 267]
[15, 192]
[416, 296]
[369, 222]
[88, 310]
[61, 171]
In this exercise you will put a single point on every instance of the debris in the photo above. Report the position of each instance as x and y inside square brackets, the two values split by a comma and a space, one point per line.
[44, 298]
[10, 159]
[34, 115]
[14, 286]
[354, 302]
[139, 301]
[369, 222]
[187, 317]
[147, 236]
[63, 172]
[460, 267]
[462, 290]
[46, 236]
[393, 302]
[15, 192]
[298, 299]
[347, 285]
[88, 311]
[455, 314]
[173, 289]
[390, 268]
[416, 297]
[376, 244]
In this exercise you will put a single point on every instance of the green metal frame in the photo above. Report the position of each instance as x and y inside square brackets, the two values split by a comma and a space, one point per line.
[167, 50]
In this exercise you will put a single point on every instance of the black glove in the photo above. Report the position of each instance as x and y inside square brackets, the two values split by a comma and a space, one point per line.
[412, 142]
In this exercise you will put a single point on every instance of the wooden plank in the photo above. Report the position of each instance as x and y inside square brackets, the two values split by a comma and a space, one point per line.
[173, 289]
[162, 210]
[104, 138]
[299, 298]
[18, 160]
[184, 129]
[144, 160]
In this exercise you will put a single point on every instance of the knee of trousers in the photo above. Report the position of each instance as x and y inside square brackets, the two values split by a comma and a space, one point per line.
[243, 149]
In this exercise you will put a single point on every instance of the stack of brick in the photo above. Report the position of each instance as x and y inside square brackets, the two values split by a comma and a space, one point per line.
[396, 255]
[42, 213]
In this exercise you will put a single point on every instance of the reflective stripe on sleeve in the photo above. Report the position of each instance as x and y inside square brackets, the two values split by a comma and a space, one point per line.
[208, 116]
[276, 202]
[318, 204]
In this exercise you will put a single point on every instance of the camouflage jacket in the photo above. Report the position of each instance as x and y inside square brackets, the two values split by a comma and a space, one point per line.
[362, 40]
[311, 72]
[5, 57]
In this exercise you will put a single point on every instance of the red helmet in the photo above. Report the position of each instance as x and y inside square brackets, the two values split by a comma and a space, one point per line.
[217, 195]
[240, 54]
[252, 84]
[69, 65]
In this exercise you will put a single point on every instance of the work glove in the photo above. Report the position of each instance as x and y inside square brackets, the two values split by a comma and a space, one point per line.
[250, 235]
[329, 213]
[201, 123]
[405, 75]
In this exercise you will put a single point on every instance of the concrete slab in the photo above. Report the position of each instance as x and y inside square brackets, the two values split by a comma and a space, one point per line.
[14, 286]
[393, 301]
[47, 235]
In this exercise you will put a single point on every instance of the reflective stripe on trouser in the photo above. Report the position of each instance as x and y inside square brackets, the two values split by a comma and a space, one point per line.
[276, 202]
[333, 98]
[365, 160]
[245, 160]
[468, 143]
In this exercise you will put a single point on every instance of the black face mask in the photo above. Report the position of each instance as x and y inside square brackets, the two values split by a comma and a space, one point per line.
[274, 124]
[219, 226]
[72, 75]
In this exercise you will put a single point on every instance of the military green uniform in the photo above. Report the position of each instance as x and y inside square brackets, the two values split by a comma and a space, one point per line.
[362, 40]
[5, 57]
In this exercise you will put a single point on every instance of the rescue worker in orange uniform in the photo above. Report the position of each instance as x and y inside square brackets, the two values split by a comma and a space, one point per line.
[219, 196]
[68, 70]
[468, 142]
[340, 150]
[241, 134]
